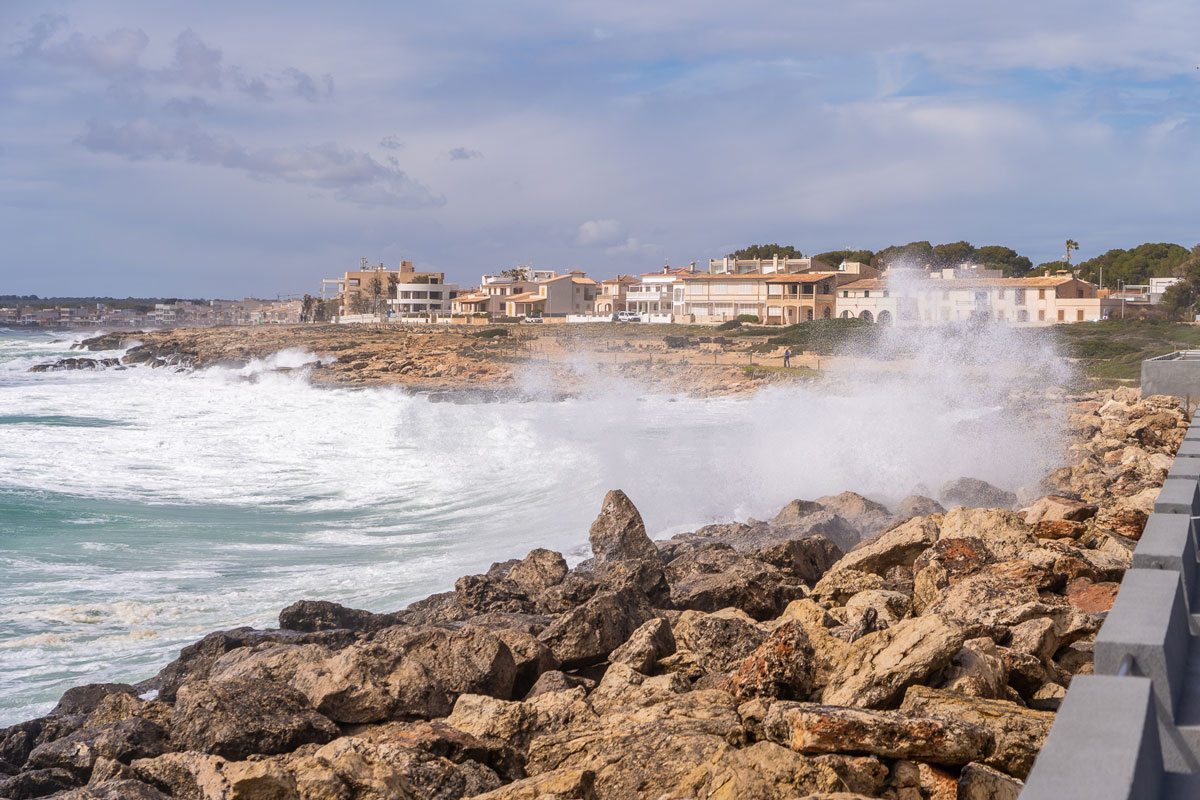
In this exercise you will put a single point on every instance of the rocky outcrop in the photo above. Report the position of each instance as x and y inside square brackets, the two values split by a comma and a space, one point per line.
[974, 493]
[619, 534]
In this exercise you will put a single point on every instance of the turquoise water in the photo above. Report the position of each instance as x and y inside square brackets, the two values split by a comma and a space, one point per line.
[141, 509]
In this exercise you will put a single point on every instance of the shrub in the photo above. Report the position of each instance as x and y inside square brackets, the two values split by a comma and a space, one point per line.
[751, 318]
[732, 324]
[489, 333]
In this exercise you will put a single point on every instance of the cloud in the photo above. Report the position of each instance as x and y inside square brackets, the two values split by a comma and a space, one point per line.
[195, 63]
[356, 176]
[463, 154]
[600, 233]
[391, 142]
[188, 107]
[116, 51]
[302, 83]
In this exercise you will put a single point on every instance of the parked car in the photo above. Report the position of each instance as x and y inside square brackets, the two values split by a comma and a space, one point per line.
[628, 316]
[533, 319]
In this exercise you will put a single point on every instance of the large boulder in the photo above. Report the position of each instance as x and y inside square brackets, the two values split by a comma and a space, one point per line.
[1054, 508]
[881, 665]
[720, 640]
[713, 577]
[1005, 534]
[618, 534]
[783, 666]
[974, 493]
[806, 557]
[867, 516]
[1017, 732]
[652, 641]
[762, 771]
[815, 728]
[240, 718]
[589, 633]
[897, 546]
[321, 615]
[84, 699]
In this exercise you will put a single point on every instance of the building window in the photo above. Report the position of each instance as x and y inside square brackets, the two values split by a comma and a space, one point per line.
[1041, 294]
[354, 281]
[1041, 316]
[885, 292]
[845, 293]
[1019, 296]
[1079, 315]
[1022, 316]
[866, 292]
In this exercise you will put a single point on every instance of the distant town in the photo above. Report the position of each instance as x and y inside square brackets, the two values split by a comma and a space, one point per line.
[780, 290]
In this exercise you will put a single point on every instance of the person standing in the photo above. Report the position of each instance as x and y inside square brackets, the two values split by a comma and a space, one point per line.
[787, 356]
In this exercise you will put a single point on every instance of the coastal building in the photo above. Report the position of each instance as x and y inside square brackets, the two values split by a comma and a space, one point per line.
[912, 297]
[369, 289]
[784, 295]
[571, 293]
[763, 266]
[614, 293]
[655, 293]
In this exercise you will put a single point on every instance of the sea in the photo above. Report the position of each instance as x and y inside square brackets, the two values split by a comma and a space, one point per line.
[142, 508]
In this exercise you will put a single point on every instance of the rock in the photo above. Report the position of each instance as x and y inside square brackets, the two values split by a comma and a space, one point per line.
[575, 590]
[762, 771]
[623, 688]
[122, 789]
[1058, 529]
[881, 665]
[910, 779]
[618, 534]
[531, 658]
[647, 578]
[502, 721]
[187, 776]
[643, 752]
[840, 585]
[564, 784]
[984, 602]
[84, 699]
[828, 652]
[713, 577]
[888, 607]
[897, 546]
[1092, 598]
[815, 728]
[1048, 697]
[1005, 534]
[18, 741]
[783, 666]
[916, 505]
[804, 557]
[37, 783]
[321, 615]
[974, 493]
[120, 741]
[958, 557]
[438, 608]
[720, 640]
[978, 670]
[1053, 508]
[795, 512]
[538, 571]
[652, 641]
[239, 718]
[867, 516]
[589, 633]
[1036, 637]
[1018, 733]
[556, 681]
[981, 782]
[481, 594]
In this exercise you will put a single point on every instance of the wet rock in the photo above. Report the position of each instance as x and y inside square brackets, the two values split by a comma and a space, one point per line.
[881, 665]
[712, 577]
[310, 616]
[652, 641]
[18, 741]
[720, 640]
[974, 493]
[867, 516]
[589, 633]
[1017, 732]
[815, 728]
[84, 699]
[896, 546]
[783, 666]
[618, 533]
[981, 782]
[564, 784]
[75, 364]
[647, 578]
[37, 783]
[120, 789]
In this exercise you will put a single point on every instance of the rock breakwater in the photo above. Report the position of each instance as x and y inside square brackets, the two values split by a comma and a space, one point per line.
[842, 648]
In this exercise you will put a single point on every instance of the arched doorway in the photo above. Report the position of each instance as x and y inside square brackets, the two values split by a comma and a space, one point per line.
[866, 316]
[827, 313]
[846, 315]
[809, 315]
[885, 318]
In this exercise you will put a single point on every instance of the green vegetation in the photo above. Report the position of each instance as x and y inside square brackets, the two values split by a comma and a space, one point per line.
[767, 251]
[1137, 266]
[835, 257]
[822, 336]
[751, 319]
[489, 333]
[1113, 350]
[794, 372]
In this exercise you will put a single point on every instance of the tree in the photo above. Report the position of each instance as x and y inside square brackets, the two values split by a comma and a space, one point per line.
[306, 308]
[835, 257]
[1136, 266]
[953, 254]
[517, 273]
[766, 251]
[376, 287]
[913, 254]
[393, 281]
[1071, 245]
[359, 304]
[1180, 298]
[994, 256]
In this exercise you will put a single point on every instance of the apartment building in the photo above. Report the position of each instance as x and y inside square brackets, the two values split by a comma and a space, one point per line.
[912, 298]
[655, 292]
[613, 295]
[763, 266]
[779, 296]
[406, 291]
[571, 293]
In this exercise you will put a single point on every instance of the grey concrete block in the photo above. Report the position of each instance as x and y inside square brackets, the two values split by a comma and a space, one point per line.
[1190, 448]
[1185, 469]
[1104, 744]
[1169, 542]
[1178, 497]
[1148, 621]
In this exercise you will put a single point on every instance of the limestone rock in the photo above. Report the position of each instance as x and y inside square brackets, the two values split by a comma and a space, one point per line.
[916, 505]
[84, 699]
[538, 571]
[720, 640]
[888, 607]
[1005, 534]
[804, 557]
[815, 728]
[1053, 508]
[978, 670]
[589, 633]
[564, 784]
[321, 615]
[840, 585]
[981, 782]
[897, 546]
[880, 666]
[618, 534]
[762, 771]
[1017, 732]
[652, 641]
[783, 666]
[867, 516]
[239, 718]
[123, 789]
[974, 493]
[556, 681]
[710, 578]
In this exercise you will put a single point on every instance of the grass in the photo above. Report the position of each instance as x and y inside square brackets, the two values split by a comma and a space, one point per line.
[1112, 351]
[792, 372]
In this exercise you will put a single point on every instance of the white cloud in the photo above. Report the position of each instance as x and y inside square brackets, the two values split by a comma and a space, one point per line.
[600, 233]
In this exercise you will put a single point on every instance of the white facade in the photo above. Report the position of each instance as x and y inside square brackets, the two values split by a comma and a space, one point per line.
[414, 299]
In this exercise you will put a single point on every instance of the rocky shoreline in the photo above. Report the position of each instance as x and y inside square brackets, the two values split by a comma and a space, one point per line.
[478, 361]
[840, 650]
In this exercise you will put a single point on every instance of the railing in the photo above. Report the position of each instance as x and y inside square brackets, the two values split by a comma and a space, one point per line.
[1132, 729]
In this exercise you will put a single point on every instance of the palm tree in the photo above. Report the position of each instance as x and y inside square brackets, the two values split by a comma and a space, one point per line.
[1071, 245]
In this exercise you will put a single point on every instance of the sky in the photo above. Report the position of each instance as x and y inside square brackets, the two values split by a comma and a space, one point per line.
[230, 149]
